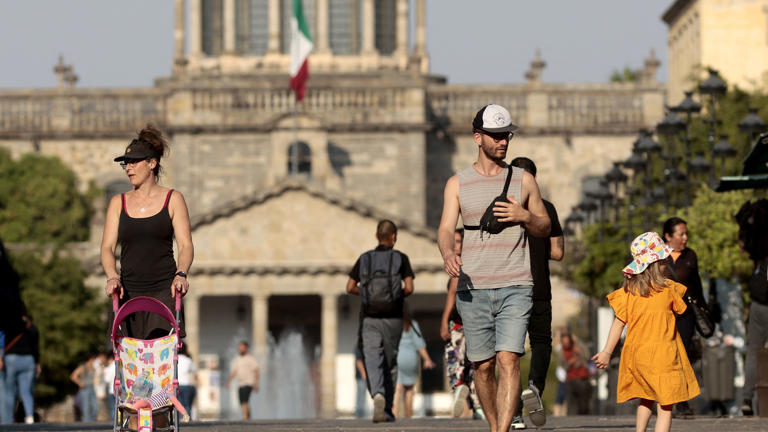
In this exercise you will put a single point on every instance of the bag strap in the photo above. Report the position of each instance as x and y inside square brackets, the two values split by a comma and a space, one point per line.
[503, 192]
[13, 341]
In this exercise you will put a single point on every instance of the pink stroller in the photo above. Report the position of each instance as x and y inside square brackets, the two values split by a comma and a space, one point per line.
[146, 380]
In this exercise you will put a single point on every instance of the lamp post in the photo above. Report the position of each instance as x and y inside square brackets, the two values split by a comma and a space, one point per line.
[687, 106]
[715, 87]
[752, 125]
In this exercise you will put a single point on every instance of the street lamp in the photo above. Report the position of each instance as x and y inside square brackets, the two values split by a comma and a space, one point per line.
[723, 149]
[715, 87]
[752, 125]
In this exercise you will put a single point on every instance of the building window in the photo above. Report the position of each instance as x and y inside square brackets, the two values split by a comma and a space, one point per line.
[252, 26]
[344, 26]
[385, 26]
[287, 13]
[299, 159]
[213, 27]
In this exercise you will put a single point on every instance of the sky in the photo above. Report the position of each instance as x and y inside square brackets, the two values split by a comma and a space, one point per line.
[130, 43]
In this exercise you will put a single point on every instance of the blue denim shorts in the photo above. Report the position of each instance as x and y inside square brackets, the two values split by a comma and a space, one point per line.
[495, 319]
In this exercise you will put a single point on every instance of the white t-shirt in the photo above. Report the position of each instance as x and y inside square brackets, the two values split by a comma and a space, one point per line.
[186, 369]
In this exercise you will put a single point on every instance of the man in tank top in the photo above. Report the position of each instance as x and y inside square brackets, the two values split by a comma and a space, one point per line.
[494, 296]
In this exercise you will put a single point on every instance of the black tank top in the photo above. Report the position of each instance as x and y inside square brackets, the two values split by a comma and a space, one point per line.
[146, 256]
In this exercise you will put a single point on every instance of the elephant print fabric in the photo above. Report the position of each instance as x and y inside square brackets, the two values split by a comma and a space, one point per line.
[153, 356]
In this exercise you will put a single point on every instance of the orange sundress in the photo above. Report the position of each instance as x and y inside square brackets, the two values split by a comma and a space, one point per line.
[653, 364]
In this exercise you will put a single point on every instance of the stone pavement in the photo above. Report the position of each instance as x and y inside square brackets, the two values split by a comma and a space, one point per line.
[582, 423]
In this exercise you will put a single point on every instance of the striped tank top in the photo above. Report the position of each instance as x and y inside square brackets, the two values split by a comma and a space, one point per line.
[491, 260]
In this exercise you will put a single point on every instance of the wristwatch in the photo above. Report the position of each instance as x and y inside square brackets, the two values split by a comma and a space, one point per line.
[182, 274]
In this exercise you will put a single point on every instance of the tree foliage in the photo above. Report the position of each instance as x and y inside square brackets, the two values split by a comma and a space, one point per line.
[40, 202]
[41, 210]
[710, 215]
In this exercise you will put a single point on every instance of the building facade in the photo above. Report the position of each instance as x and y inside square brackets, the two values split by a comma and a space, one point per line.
[728, 35]
[285, 196]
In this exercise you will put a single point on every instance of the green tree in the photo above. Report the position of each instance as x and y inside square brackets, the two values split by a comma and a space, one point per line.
[40, 202]
[626, 75]
[68, 315]
[41, 210]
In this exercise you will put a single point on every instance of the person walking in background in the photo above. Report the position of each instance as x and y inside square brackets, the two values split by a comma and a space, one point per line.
[457, 367]
[542, 250]
[144, 222]
[499, 206]
[22, 366]
[412, 347]
[360, 379]
[186, 375]
[753, 239]
[578, 390]
[84, 376]
[683, 267]
[246, 369]
[654, 366]
[383, 277]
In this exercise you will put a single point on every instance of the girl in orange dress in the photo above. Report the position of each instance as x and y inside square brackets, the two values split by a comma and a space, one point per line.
[654, 366]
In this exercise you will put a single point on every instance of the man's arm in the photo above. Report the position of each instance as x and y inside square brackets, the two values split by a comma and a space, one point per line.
[447, 228]
[556, 248]
[352, 287]
[408, 286]
[529, 210]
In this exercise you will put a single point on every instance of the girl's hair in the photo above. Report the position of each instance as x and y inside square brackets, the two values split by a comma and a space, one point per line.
[669, 226]
[154, 136]
[649, 281]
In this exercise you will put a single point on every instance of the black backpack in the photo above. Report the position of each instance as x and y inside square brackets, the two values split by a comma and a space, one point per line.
[381, 286]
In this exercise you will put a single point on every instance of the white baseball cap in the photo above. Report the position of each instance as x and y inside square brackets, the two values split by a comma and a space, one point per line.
[493, 118]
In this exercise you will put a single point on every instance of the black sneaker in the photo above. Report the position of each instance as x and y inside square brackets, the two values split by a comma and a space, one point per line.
[532, 403]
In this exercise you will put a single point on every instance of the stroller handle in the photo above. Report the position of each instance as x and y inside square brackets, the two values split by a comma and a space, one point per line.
[141, 304]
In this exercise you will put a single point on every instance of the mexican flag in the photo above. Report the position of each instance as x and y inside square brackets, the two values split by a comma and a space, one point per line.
[301, 46]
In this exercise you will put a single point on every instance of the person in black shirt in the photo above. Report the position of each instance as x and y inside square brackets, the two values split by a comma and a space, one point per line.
[540, 322]
[379, 336]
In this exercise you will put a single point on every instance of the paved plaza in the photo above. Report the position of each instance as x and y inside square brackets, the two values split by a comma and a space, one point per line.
[581, 423]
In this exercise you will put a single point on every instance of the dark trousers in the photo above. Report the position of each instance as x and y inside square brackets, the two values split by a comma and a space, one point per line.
[540, 335]
[578, 394]
[380, 339]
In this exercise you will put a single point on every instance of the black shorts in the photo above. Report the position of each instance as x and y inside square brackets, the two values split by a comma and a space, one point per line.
[244, 392]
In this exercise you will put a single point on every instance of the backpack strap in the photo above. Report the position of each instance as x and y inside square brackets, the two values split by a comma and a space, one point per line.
[504, 192]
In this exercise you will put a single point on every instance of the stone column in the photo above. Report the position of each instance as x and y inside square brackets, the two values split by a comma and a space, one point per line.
[192, 323]
[229, 27]
[329, 340]
[195, 27]
[323, 23]
[402, 28]
[420, 47]
[274, 24]
[369, 28]
[179, 37]
[260, 323]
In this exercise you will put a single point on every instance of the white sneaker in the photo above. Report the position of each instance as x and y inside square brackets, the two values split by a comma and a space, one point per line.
[517, 423]
[459, 400]
[378, 408]
[29, 419]
[532, 403]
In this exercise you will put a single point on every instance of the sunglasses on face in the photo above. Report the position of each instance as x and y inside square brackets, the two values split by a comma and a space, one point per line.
[127, 162]
[499, 136]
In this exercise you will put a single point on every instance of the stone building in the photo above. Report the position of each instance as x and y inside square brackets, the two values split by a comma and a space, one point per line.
[376, 136]
[728, 35]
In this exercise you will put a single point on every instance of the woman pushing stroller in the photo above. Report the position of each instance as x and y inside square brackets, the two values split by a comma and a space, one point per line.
[144, 221]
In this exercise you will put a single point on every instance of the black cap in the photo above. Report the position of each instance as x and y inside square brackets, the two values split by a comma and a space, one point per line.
[138, 149]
